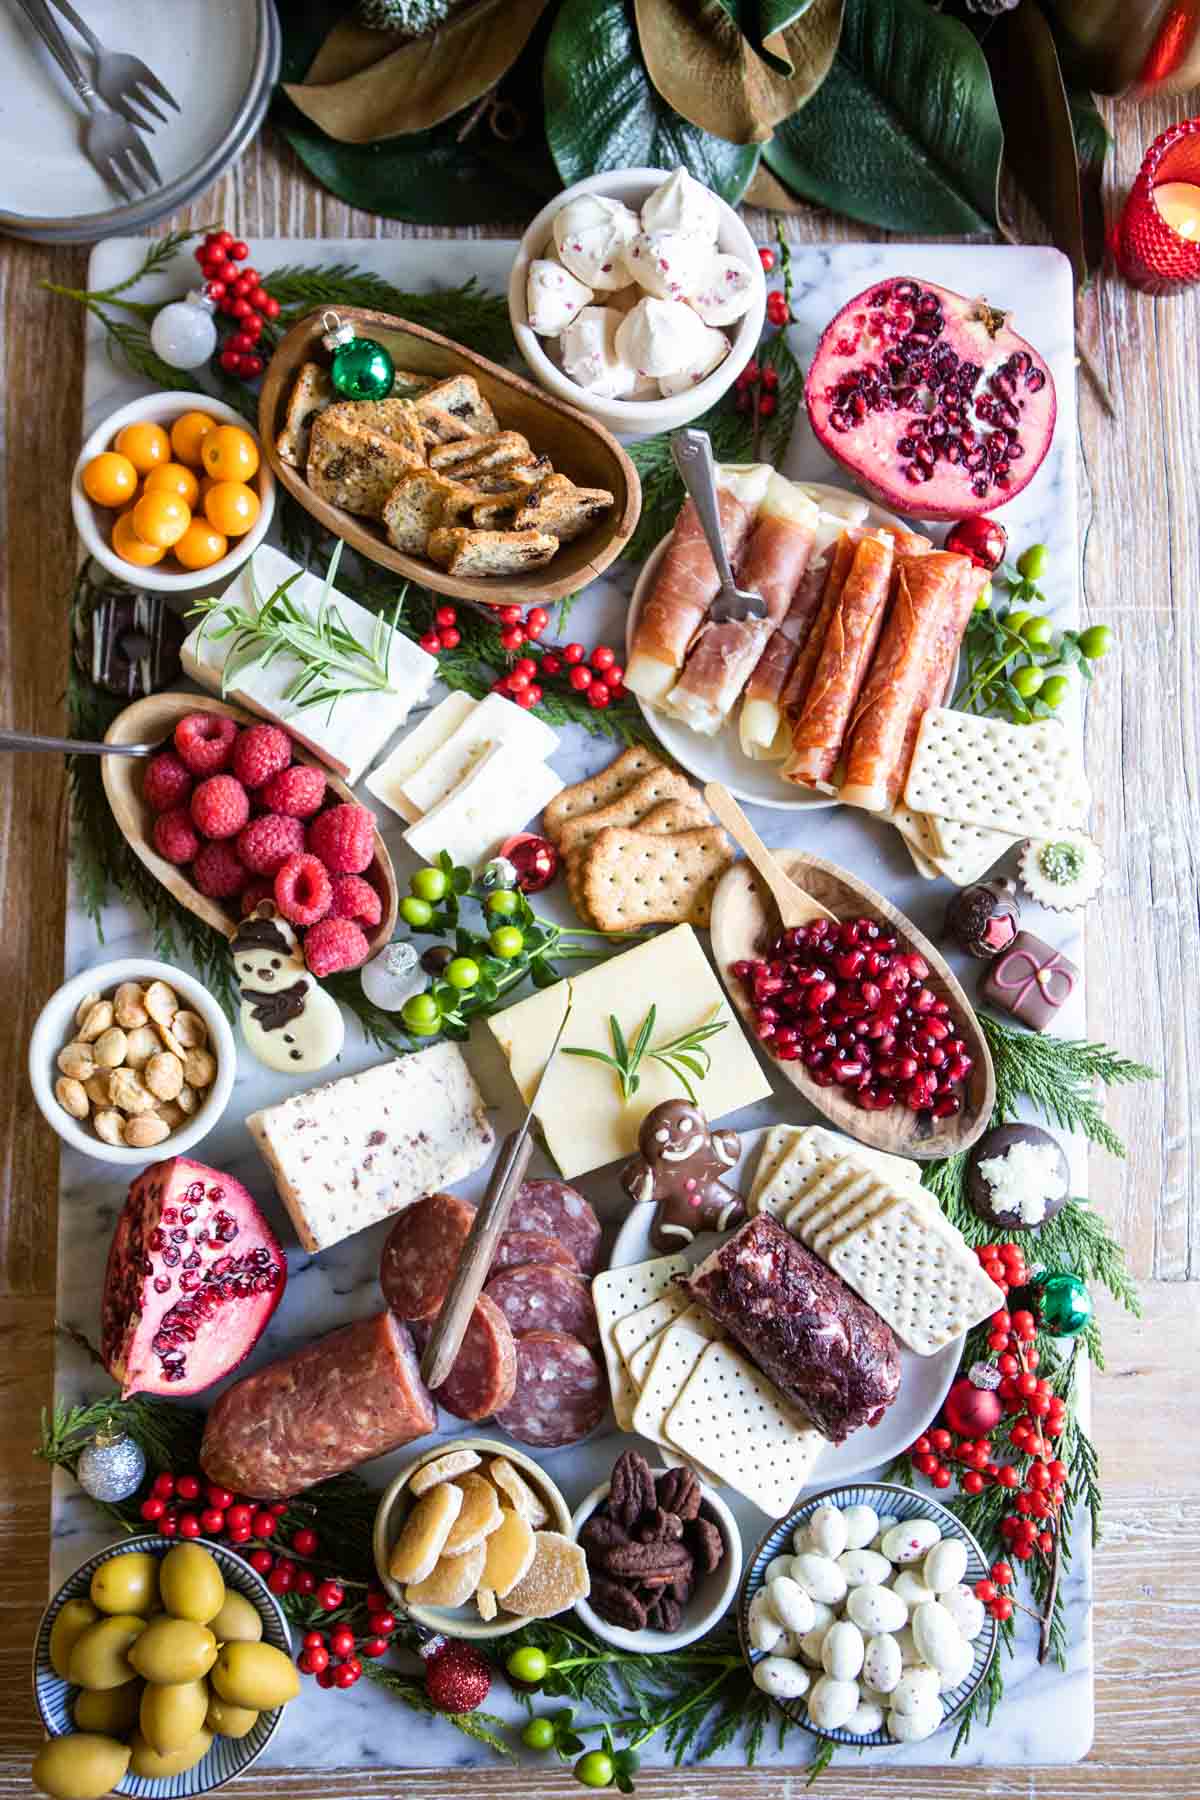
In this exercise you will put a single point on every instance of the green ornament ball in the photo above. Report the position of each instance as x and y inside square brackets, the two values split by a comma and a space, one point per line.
[363, 370]
[1064, 1304]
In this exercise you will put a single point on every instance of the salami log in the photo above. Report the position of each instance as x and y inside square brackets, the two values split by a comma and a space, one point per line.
[561, 1391]
[514, 1248]
[485, 1370]
[554, 1209]
[543, 1297]
[352, 1395]
[421, 1254]
[842, 663]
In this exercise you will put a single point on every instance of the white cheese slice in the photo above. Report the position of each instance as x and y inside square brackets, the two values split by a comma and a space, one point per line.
[350, 736]
[494, 721]
[498, 794]
[386, 780]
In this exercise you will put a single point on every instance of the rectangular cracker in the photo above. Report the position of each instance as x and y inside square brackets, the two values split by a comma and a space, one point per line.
[915, 829]
[918, 1273]
[677, 1350]
[871, 1204]
[826, 1196]
[730, 1418]
[598, 789]
[651, 790]
[616, 1293]
[637, 878]
[1024, 779]
[802, 1161]
[771, 1152]
[965, 853]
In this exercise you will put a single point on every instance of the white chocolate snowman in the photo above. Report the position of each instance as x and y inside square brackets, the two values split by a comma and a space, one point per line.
[288, 1020]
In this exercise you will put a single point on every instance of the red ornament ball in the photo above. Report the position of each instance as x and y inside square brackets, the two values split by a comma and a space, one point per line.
[984, 540]
[457, 1679]
[534, 858]
[971, 1411]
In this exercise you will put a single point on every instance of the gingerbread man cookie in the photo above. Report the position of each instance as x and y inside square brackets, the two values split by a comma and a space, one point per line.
[288, 1020]
[680, 1165]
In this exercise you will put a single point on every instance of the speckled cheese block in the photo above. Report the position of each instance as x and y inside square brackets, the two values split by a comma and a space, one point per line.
[345, 1155]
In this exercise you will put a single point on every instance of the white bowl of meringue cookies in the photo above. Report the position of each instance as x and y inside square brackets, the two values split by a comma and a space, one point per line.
[638, 295]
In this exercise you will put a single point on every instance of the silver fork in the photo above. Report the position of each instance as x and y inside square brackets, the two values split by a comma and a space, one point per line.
[110, 143]
[28, 740]
[692, 451]
[120, 79]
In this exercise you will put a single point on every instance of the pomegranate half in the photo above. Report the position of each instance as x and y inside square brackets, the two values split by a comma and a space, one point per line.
[934, 405]
[194, 1273]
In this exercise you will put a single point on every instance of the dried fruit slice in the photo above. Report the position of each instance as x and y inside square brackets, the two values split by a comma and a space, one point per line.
[510, 1553]
[525, 1499]
[930, 400]
[442, 1468]
[423, 1536]
[555, 1580]
[478, 1517]
[451, 1583]
[485, 1600]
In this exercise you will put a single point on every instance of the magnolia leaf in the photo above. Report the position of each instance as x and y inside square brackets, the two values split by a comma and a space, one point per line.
[763, 22]
[903, 132]
[602, 110]
[708, 72]
[426, 80]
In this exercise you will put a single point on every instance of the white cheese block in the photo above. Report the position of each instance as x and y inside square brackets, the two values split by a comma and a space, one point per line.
[498, 795]
[348, 738]
[345, 1155]
[494, 721]
[386, 780]
[585, 1121]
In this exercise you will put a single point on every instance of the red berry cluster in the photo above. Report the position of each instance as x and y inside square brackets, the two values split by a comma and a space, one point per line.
[334, 1657]
[999, 1605]
[599, 676]
[778, 310]
[754, 389]
[187, 1506]
[444, 634]
[240, 294]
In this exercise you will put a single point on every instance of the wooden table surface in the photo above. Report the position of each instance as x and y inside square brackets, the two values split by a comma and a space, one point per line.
[1140, 518]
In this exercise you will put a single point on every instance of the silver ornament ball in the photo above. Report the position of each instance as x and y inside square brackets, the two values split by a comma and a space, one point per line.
[184, 332]
[393, 977]
[112, 1466]
[499, 874]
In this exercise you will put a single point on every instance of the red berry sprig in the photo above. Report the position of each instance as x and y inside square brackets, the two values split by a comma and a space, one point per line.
[443, 634]
[241, 296]
[755, 389]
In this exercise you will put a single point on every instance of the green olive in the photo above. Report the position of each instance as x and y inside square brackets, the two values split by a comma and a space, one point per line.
[171, 1713]
[126, 1584]
[1054, 690]
[80, 1767]
[100, 1657]
[1032, 562]
[415, 911]
[1027, 680]
[1039, 632]
[71, 1619]
[111, 1711]
[148, 1761]
[227, 1720]
[255, 1675]
[237, 1621]
[428, 884]
[191, 1583]
[174, 1650]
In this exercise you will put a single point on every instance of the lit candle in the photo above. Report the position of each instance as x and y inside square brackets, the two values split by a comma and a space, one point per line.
[1179, 204]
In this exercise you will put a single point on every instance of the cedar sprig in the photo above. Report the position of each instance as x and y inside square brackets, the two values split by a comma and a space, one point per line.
[467, 313]
[1059, 1075]
[484, 1727]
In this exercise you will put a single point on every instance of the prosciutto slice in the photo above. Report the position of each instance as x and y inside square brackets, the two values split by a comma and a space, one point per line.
[686, 583]
[724, 655]
[843, 657]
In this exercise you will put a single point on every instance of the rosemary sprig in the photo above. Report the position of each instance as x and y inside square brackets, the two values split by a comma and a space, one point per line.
[685, 1055]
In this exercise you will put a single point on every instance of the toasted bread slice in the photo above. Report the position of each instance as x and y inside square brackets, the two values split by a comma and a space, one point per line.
[459, 396]
[446, 456]
[352, 467]
[392, 418]
[463, 552]
[498, 513]
[407, 384]
[439, 427]
[496, 453]
[312, 392]
[414, 508]
[465, 496]
[558, 506]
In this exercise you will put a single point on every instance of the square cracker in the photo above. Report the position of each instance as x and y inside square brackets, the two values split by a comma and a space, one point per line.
[651, 790]
[1024, 779]
[599, 789]
[730, 1418]
[677, 1350]
[616, 1293]
[918, 1273]
[771, 1152]
[826, 1196]
[965, 853]
[644, 878]
[803, 1160]
[695, 1318]
[636, 1329]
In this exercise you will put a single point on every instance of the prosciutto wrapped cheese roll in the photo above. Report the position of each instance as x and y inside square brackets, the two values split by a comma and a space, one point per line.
[933, 598]
[686, 583]
[844, 655]
[724, 655]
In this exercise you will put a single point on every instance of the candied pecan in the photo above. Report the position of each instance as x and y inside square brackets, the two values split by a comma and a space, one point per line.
[679, 1493]
[652, 1564]
[685, 1586]
[707, 1545]
[616, 1603]
[631, 1491]
[601, 1533]
[666, 1614]
[659, 1527]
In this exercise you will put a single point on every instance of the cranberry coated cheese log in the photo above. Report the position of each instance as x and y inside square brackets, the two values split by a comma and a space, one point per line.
[806, 1330]
[842, 663]
[318, 1412]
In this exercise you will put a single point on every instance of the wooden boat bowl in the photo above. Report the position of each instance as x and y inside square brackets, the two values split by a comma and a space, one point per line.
[744, 919]
[575, 444]
[152, 721]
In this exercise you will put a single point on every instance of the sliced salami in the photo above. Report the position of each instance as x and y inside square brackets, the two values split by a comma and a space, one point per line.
[544, 1297]
[555, 1210]
[561, 1391]
[514, 1248]
[484, 1376]
[421, 1254]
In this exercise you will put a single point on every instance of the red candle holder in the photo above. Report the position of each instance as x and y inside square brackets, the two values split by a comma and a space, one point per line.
[1150, 253]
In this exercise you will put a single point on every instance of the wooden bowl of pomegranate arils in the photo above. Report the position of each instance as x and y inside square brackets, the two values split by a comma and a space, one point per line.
[904, 1065]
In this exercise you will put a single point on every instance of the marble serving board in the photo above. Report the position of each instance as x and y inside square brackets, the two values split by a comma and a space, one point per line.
[1047, 1713]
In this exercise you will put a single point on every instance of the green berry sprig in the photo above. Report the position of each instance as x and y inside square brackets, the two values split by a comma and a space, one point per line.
[1016, 668]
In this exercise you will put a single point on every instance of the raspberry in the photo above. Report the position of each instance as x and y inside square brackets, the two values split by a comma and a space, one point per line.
[220, 807]
[167, 783]
[334, 944]
[205, 742]
[254, 895]
[268, 841]
[299, 791]
[217, 871]
[174, 835]
[354, 898]
[260, 752]
[343, 838]
[302, 889]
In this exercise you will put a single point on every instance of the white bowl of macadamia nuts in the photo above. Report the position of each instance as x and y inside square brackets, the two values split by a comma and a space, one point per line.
[132, 1061]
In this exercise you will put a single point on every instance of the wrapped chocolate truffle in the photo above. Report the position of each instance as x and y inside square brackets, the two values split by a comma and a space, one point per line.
[1030, 981]
[983, 920]
[1017, 1177]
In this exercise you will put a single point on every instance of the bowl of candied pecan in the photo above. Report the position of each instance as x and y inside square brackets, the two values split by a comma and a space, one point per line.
[664, 1554]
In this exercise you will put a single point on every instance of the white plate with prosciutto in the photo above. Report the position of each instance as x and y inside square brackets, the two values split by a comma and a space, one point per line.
[820, 700]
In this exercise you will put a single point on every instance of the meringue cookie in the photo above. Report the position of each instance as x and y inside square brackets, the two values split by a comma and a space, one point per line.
[670, 264]
[590, 357]
[683, 204]
[661, 337]
[725, 292]
[553, 297]
[717, 349]
[590, 235]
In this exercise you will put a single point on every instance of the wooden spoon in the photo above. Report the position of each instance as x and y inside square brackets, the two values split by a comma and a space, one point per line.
[795, 906]
[151, 721]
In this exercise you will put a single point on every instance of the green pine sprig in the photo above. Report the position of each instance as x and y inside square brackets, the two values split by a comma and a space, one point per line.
[467, 313]
[1060, 1076]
